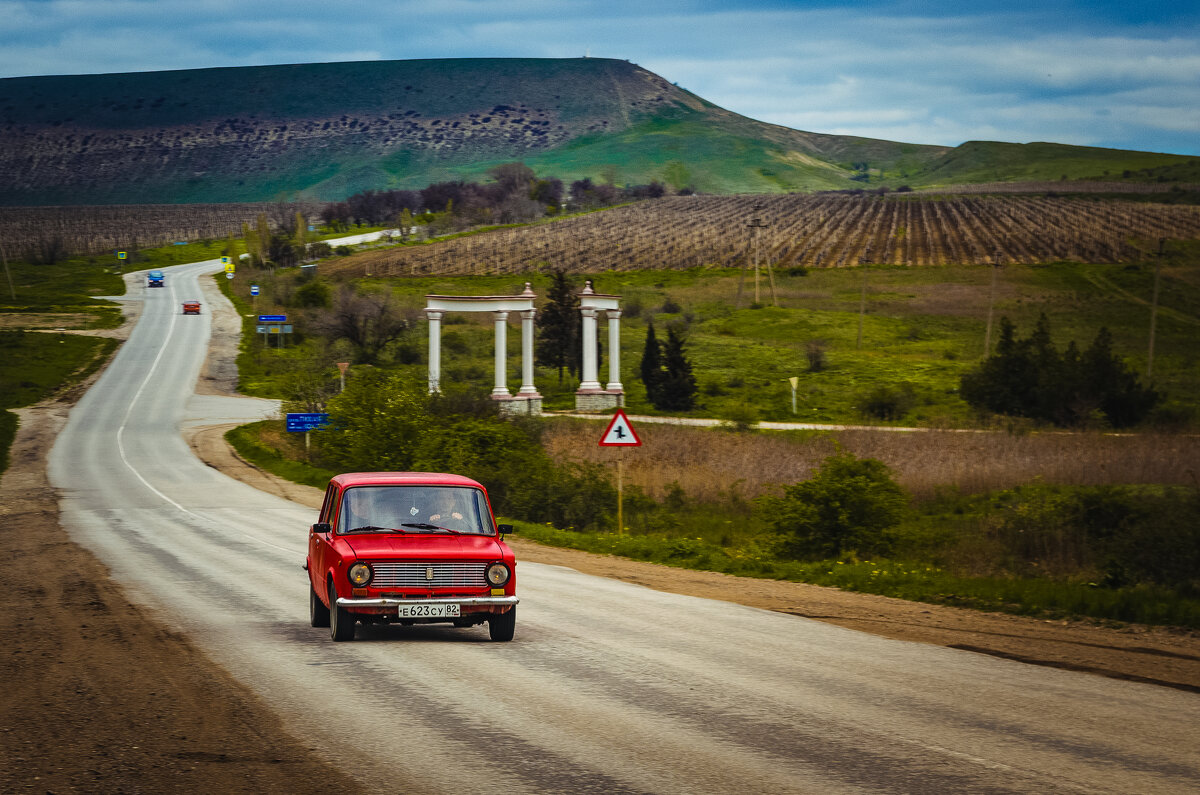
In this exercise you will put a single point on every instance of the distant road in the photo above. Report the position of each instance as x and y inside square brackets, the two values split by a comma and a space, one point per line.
[608, 687]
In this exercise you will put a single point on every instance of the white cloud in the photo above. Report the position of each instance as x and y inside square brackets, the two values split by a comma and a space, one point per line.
[913, 71]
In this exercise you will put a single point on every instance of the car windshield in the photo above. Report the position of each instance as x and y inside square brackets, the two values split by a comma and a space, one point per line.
[414, 509]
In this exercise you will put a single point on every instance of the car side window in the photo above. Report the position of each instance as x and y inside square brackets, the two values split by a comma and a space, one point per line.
[327, 506]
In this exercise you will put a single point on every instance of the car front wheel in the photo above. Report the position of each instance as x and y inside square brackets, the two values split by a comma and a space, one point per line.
[341, 620]
[502, 626]
[318, 613]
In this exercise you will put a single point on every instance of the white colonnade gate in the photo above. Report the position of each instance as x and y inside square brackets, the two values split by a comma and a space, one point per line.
[527, 400]
[590, 396]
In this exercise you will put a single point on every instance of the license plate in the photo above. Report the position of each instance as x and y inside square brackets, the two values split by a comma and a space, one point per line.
[429, 611]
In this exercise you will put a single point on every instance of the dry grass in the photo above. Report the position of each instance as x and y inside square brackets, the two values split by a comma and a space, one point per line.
[707, 463]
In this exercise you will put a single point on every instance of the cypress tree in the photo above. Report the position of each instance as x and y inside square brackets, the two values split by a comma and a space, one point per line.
[651, 368]
[678, 388]
[558, 327]
[1121, 395]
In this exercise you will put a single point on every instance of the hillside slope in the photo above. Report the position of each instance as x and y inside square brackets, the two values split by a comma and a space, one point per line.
[324, 131]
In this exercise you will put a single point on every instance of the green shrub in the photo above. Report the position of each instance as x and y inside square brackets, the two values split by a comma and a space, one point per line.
[378, 422]
[887, 402]
[846, 508]
[313, 294]
[1124, 535]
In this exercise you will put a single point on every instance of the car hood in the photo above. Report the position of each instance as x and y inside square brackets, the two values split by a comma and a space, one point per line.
[423, 546]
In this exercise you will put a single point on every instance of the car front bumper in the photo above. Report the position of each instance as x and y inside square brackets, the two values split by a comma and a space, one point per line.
[465, 601]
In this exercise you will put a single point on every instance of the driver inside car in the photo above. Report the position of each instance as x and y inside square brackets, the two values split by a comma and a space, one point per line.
[447, 510]
[357, 509]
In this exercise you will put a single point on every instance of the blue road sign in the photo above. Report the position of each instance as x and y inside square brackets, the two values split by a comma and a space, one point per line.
[272, 318]
[254, 289]
[306, 422]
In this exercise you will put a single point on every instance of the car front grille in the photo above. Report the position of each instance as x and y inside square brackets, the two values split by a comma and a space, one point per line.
[428, 575]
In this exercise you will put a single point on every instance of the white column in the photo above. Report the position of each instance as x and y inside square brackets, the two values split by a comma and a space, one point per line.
[614, 352]
[435, 349]
[501, 388]
[589, 351]
[527, 387]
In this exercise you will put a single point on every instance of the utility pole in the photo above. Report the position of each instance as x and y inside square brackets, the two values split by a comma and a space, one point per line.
[987, 339]
[756, 225]
[862, 298]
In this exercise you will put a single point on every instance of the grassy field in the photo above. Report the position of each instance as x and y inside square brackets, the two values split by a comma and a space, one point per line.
[693, 495]
[923, 328]
[34, 365]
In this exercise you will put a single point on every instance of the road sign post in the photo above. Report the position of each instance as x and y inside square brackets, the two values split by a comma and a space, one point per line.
[273, 327]
[620, 433]
[305, 422]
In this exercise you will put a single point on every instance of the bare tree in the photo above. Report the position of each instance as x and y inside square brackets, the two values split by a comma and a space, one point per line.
[367, 320]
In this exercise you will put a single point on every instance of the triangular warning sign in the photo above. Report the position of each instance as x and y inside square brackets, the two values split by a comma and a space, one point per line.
[620, 433]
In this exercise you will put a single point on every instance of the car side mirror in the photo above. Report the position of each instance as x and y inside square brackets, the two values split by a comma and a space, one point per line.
[505, 529]
[322, 528]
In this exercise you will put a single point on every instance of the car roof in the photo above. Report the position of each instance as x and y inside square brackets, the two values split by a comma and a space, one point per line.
[403, 479]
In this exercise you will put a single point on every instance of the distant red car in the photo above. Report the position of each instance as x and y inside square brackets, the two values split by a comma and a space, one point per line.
[409, 548]
[191, 307]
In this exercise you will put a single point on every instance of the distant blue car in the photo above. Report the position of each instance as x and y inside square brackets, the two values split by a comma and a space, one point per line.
[154, 279]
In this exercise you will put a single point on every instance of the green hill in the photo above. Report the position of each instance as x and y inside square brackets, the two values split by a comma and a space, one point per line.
[324, 131]
[985, 161]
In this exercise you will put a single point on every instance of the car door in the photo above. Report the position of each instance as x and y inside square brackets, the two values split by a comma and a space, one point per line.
[318, 543]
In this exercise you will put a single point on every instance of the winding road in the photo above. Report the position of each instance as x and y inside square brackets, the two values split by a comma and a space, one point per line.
[608, 687]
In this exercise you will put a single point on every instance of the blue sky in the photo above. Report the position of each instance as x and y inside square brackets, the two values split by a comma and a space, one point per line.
[1119, 74]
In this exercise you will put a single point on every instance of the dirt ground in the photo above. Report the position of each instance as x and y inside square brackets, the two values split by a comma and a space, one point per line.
[100, 697]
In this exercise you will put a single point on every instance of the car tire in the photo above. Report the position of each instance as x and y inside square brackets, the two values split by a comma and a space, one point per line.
[318, 613]
[341, 620]
[501, 627]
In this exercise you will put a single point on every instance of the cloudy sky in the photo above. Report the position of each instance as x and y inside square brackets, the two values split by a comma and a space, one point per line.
[1117, 73]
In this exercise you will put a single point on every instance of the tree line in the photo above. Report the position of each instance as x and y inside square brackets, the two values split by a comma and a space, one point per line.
[1029, 377]
[513, 194]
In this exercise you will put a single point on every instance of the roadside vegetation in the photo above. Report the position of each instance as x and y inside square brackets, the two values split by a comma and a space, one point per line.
[995, 512]
[36, 365]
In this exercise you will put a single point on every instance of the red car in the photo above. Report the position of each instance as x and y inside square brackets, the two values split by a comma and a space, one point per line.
[409, 548]
[191, 307]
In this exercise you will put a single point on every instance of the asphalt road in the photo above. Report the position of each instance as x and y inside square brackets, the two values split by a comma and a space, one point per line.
[608, 687]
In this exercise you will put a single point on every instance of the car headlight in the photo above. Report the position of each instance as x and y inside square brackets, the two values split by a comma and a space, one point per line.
[360, 574]
[497, 574]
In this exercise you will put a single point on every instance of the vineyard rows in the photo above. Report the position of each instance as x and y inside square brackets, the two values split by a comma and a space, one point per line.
[825, 231]
[1072, 187]
[99, 229]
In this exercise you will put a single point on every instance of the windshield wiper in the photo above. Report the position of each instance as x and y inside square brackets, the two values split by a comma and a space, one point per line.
[367, 528]
[425, 526]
